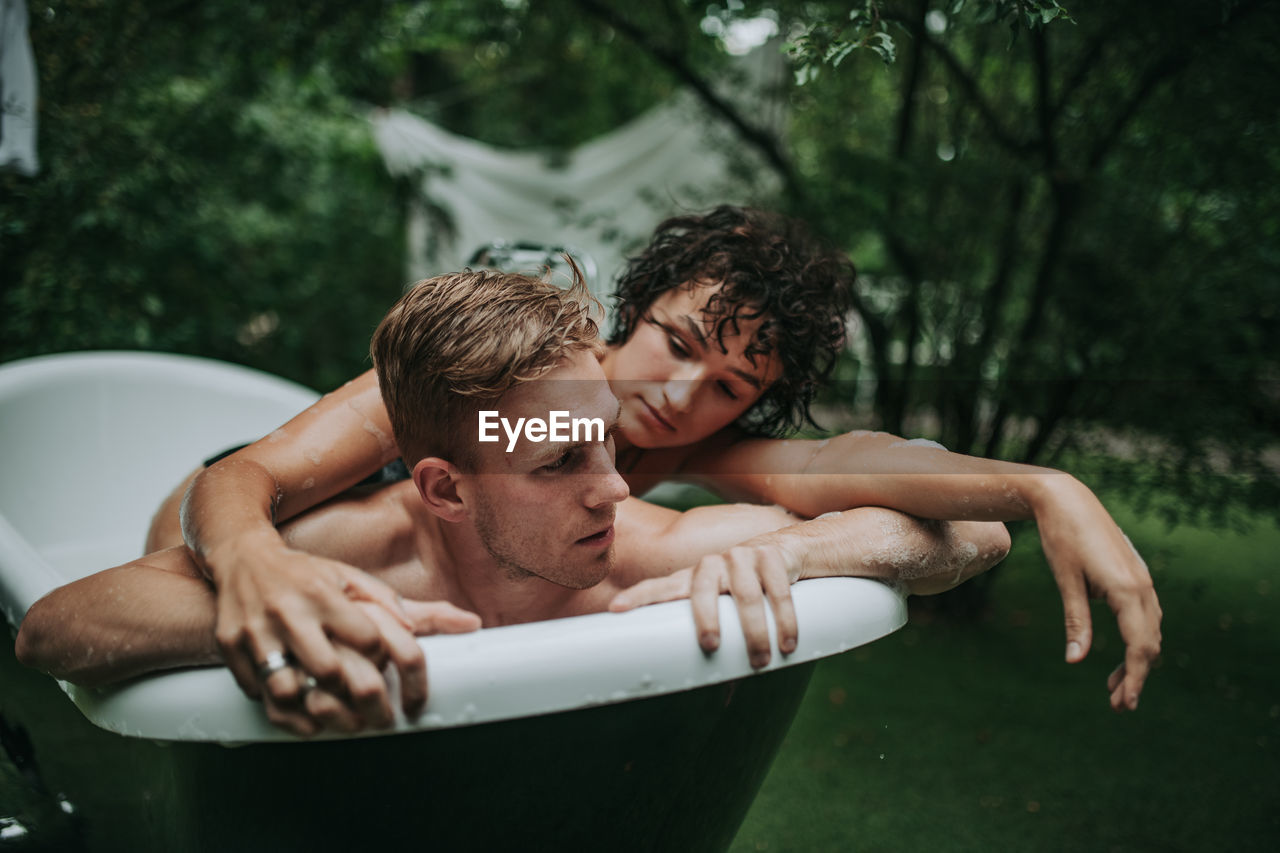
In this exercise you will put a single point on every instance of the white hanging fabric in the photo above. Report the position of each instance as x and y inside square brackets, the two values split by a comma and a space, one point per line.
[603, 198]
[17, 91]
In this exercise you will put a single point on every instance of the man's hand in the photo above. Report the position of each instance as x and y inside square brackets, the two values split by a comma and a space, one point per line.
[286, 602]
[297, 702]
[1091, 557]
[760, 568]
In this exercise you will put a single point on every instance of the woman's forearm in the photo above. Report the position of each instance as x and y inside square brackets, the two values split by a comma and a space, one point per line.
[328, 448]
[875, 469]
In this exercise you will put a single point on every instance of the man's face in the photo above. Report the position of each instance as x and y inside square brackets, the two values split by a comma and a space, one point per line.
[546, 508]
[678, 384]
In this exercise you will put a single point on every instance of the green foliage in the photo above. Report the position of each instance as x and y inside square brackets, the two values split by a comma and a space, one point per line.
[829, 39]
[1066, 239]
[201, 193]
[1066, 243]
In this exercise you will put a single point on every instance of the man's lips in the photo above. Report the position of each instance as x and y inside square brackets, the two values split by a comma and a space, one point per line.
[656, 417]
[599, 538]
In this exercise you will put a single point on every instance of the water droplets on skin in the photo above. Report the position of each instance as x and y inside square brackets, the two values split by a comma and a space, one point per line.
[309, 483]
[385, 442]
[818, 448]
[917, 442]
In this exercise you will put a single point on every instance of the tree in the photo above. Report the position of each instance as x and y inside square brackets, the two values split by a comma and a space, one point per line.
[1064, 223]
[1064, 229]
[208, 188]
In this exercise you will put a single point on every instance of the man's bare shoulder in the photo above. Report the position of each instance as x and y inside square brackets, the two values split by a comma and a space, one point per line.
[371, 529]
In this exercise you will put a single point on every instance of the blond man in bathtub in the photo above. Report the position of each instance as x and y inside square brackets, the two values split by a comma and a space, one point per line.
[486, 534]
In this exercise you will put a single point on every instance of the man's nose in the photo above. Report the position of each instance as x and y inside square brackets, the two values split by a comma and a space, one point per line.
[606, 484]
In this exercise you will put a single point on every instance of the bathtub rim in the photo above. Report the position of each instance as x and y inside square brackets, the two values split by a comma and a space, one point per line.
[520, 671]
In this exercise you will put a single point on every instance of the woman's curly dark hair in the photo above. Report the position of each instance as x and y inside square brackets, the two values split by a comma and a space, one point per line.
[768, 266]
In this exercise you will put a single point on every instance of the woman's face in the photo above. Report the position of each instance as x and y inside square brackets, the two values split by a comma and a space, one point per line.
[675, 384]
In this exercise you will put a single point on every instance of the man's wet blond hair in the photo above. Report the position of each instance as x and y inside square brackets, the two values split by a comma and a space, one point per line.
[454, 344]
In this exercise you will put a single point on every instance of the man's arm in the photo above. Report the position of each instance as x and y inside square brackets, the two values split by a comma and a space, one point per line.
[154, 613]
[159, 613]
[869, 542]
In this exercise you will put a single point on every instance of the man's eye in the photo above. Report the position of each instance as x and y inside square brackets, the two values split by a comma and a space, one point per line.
[559, 463]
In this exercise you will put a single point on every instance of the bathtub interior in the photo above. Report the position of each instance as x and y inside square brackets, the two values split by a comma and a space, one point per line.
[91, 444]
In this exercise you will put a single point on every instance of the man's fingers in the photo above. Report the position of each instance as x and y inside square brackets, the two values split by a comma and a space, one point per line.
[330, 713]
[364, 587]
[367, 689]
[709, 579]
[777, 587]
[744, 583]
[671, 588]
[406, 657]
[439, 617]
[293, 720]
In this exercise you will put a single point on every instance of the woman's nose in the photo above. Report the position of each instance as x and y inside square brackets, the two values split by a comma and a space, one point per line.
[680, 389]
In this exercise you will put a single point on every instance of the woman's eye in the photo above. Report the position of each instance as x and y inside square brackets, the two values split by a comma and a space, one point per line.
[678, 347]
[727, 390]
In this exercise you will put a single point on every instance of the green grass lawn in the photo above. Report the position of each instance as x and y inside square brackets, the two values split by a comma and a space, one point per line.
[977, 736]
[954, 735]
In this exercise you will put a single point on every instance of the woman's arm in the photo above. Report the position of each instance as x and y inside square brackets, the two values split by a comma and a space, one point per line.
[1086, 550]
[270, 596]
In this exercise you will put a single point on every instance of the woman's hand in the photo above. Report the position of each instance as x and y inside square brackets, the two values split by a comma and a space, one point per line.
[319, 612]
[1091, 558]
[361, 698]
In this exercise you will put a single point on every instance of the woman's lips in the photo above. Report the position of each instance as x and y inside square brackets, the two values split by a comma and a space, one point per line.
[657, 419]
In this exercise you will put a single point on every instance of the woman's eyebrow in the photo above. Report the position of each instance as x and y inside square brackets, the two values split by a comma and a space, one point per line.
[695, 329]
[749, 378]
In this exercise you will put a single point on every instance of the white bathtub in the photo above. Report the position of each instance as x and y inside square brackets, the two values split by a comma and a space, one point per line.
[89, 445]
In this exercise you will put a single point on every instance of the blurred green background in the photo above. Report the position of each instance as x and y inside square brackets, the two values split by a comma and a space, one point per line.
[1066, 227]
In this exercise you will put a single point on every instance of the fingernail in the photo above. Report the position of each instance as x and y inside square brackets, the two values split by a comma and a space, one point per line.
[1073, 650]
[1133, 703]
[710, 641]
[759, 659]
[787, 646]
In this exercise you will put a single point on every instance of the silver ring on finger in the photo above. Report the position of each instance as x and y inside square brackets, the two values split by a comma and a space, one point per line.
[275, 662]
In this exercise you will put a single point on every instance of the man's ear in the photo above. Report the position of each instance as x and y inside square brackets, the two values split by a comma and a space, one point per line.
[437, 482]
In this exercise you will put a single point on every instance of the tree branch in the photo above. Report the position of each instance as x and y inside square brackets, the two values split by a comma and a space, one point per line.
[969, 85]
[762, 140]
[1168, 66]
